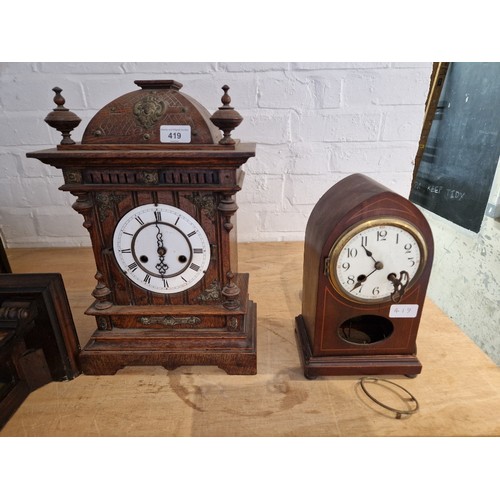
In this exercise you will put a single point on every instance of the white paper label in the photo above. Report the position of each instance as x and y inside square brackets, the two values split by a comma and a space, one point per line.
[175, 133]
[403, 311]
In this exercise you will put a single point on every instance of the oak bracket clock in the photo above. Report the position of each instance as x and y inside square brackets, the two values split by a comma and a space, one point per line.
[155, 181]
[367, 260]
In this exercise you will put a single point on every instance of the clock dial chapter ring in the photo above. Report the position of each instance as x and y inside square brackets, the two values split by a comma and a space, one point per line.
[152, 259]
[364, 260]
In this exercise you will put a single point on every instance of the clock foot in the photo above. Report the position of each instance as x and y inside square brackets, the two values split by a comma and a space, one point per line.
[106, 363]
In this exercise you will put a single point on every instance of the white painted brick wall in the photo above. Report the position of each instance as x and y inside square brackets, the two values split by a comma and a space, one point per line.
[313, 122]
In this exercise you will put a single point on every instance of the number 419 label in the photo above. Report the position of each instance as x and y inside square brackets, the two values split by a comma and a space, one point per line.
[403, 311]
[175, 133]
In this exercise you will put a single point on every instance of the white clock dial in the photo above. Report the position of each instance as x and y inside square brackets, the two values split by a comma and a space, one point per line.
[368, 262]
[161, 248]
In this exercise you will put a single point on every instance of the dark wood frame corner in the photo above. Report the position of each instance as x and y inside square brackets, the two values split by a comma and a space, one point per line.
[45, 350]
[55, 330]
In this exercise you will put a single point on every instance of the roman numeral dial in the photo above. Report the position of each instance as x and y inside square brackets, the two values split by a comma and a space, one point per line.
[161, 248]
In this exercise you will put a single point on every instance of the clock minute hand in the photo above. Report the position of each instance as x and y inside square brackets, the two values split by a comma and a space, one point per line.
[361, 279]
[357, 285]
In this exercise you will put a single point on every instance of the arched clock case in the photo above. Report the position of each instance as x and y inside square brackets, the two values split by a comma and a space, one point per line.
[155, 181]
[367, 260]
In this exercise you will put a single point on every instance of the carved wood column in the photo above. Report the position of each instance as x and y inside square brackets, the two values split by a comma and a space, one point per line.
[230, 292]
[84, 205]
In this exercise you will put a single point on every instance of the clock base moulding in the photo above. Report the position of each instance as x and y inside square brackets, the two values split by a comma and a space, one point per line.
[369, 364]
[172, 336]
[234, 352]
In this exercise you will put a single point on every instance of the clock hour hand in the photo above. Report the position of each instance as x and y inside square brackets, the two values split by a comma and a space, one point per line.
[378, 264]
[400, 285]
[368, 253]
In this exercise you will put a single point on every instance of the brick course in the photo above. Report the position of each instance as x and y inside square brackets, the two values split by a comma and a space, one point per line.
[313, 122]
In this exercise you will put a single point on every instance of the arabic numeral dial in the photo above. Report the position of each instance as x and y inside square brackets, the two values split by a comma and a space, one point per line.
[362, 260]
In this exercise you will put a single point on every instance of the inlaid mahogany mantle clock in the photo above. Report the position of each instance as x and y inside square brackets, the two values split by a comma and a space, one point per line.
[367, 261]
[156, 181]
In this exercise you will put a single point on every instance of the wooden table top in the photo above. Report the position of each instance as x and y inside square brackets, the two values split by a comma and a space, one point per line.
[458, 390]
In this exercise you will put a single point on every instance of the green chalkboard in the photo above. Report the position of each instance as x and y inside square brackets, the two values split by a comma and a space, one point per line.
[459, 161]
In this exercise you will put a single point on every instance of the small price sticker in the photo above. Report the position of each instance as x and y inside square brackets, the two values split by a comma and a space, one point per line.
[175, 133]
[403, 311]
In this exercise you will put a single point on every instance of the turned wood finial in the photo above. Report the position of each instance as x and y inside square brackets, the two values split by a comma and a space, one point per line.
[226, 98]
[231, 293]
[226, 118]
[61, 118]
[59, 99]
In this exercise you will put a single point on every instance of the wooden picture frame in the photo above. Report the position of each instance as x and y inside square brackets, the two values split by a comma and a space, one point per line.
[54, 330]
[438, 76]
[40, 343]
[459, 149]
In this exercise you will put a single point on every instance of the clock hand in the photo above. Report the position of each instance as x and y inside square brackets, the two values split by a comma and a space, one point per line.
[378, 265]
[368, 253]
[361, 279]
[399, 285]
[161, 266]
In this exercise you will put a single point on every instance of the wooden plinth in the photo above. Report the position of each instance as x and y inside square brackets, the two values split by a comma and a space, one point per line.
[236, 354]
[363, 364]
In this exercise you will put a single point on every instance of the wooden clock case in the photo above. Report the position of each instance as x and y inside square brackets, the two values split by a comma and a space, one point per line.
[322, 349]
[121, 164]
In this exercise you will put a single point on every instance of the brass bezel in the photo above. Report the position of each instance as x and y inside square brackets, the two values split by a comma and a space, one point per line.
[345, 237]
